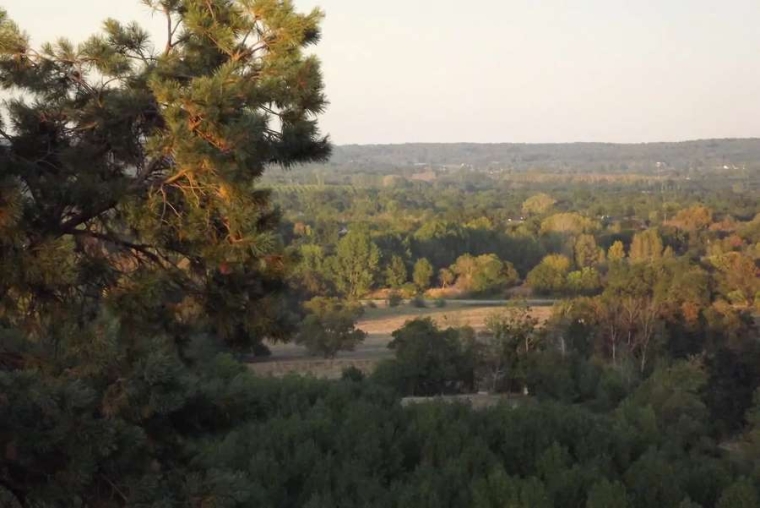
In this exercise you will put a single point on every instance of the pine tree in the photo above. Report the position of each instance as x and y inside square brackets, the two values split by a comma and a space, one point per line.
[129, 175]
[133, 228]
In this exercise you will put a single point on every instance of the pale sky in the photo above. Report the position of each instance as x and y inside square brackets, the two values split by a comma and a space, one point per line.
[510, 70]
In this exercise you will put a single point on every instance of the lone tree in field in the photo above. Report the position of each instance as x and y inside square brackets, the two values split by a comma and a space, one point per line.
[129, 169]
[330, 327]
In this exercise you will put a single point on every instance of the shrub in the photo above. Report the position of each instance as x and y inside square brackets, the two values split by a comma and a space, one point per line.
[408, 290]
[352, 373]
[439, 303]
[394, 299]
[418, 302]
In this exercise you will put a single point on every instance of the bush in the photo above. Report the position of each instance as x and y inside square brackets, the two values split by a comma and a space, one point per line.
[394, 299]
[371, 304]
[408, 290]
[352, 374]
[260, 350]
[439, 303]
[418, 302]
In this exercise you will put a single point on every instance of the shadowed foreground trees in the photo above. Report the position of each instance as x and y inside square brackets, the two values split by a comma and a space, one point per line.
[135, 238]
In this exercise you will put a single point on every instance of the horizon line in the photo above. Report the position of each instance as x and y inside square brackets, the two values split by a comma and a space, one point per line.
[485, 143]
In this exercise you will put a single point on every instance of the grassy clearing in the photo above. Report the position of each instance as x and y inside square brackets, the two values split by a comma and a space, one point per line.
[385, 320]
[379, 323]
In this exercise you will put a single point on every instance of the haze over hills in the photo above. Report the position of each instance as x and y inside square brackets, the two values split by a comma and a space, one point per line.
[687, 155]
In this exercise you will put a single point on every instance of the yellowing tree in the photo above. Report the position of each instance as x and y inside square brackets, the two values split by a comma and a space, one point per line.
[568, 223]
[693, 218]
[538, 204]
[550, 276]
[586, 251]
[616, 252]
[646, 246]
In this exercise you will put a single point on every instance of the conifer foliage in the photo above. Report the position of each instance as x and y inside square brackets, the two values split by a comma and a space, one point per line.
[136, 240]
[129, 169]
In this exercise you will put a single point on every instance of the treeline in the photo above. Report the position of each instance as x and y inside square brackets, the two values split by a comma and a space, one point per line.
[648, 316]
[553, 252]
[699, 156]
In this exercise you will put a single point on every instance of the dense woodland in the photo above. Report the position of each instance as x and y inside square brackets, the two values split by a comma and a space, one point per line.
[169, 207]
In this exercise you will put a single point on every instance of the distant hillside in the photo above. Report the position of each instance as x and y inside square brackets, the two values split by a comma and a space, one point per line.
[689, 155]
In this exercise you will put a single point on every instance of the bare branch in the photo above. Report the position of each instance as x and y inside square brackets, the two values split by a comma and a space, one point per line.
[169, 31]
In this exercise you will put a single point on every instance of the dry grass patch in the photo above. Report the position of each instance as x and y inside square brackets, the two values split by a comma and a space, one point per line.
[384, 321]
[379, 323]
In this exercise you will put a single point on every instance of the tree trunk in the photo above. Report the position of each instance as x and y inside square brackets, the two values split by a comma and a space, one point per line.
[643, 359]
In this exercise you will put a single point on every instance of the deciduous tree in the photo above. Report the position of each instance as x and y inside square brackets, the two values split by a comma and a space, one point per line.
[538, 204]
[646, 246]
[355, 264]
[616, 252]
[423, 273]
[550, 275]
[511, 335]
[586, 251]
[395, 273]
[330, 327]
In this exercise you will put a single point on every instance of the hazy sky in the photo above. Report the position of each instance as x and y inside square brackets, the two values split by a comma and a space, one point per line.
[511, 70]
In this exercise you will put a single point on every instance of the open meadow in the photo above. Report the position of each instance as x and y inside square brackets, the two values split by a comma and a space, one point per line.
[379, 322]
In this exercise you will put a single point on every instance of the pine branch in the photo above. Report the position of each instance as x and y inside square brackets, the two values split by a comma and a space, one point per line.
[70, 225]
[143, 249]
[148, 170]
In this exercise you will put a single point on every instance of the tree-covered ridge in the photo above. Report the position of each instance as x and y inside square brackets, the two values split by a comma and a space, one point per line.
[703, 155]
